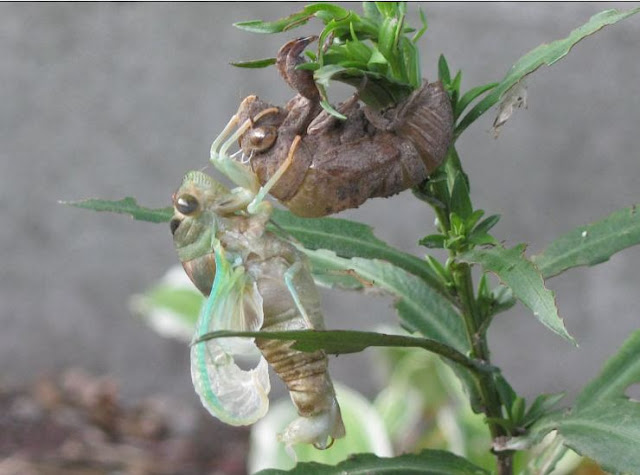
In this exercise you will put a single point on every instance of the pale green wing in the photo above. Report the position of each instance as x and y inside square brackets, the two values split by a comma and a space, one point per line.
[233, 395]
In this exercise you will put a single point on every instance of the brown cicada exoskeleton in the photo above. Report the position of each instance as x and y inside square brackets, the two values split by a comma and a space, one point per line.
[333, 164]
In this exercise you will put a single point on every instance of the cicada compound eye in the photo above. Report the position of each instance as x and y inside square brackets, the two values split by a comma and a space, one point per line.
[187, 204]
[260, 139]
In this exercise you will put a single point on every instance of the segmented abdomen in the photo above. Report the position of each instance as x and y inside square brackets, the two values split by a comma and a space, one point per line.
[305, 374]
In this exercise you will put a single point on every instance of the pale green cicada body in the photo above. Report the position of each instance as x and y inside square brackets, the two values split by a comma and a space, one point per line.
[254, 280]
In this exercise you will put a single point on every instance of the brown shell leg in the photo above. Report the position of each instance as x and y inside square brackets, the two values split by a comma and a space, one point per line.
[286, 61]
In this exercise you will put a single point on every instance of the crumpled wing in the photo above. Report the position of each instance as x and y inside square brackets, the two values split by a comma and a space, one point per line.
[233, 395]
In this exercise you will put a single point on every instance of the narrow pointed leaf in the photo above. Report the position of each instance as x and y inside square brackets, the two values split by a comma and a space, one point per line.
[592, 244]
[351, 239]
[126, 205]
[324, 11]
[340, 342]
[277, 26]
[460, 201]
[545, 54]
[604, 424]
[423, 28]
[443, 70]
[486, 224]
[420, 307]
[471, 95]
[371, 11]
[621, 371]
[516, 271]
[254, 64]
[427, 462]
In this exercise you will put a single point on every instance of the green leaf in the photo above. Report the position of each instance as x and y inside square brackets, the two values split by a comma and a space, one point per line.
[454, 89]
[411, 62]
[460, 202]
[371, 11]
[604, 425]
[482, 239]
[324, 11]
[486, 224]
[126, 205]
[620, 372]
[591, 244]
[387, 41]
[433, 241]
[351, 239]
[277, 26]
[507, 394]
[443, 70]
[545, 54]
[470, 96]
[519, 273]
[542, 404]
[254, 64]
[340, 342]
[420, 306]
[606, 431]
[502, 299]
[517, 410]
[387, 9]
[377, 58]
[423, 28]
[427, 462]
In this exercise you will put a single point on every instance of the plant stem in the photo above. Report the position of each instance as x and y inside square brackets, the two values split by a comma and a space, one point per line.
[479, 349]
[440, 198]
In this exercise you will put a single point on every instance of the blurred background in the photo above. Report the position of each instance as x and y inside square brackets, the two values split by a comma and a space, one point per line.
[111, 100]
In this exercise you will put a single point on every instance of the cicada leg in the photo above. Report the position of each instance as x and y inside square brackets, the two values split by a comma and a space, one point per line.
[289, 277]
[249, 194]
[255, 204]
[238, 173]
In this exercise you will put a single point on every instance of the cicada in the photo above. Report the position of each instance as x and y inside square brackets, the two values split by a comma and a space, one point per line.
[254, 280]
[334, 164]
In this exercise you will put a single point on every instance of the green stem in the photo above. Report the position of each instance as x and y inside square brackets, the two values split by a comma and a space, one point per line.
[439, 197]
[463, 281]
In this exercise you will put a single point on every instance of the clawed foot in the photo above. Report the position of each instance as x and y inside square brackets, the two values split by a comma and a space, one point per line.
[288, 59]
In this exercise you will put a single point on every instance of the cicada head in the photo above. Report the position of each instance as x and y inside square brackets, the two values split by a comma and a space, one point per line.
[192, 226]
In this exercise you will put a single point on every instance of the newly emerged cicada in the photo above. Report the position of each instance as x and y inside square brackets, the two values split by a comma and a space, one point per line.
[334, 164]
[254, 280]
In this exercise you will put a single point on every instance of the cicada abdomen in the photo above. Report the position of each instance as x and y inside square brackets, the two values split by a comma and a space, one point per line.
[291, 302]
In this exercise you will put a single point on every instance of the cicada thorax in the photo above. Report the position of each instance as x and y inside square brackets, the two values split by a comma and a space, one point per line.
[343, 163]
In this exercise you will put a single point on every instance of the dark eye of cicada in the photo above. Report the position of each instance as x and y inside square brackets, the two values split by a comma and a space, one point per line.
[261, 138]
[187, 204]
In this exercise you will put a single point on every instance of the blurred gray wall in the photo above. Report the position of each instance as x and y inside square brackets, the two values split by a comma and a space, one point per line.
[108, 100]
